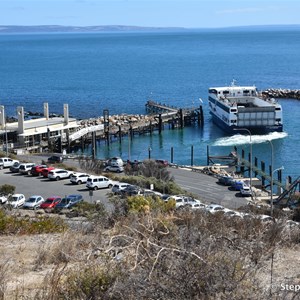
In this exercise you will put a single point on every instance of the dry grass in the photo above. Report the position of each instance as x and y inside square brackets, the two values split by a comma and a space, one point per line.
[177, 255]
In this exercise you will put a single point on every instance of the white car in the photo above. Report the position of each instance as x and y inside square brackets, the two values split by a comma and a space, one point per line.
[79, 178]
[114, 168]
[213, 208]
[246, 191]
[98, 182]
[33, 202]
[6, 162]
[58, 174]
[26, 168]
[16, 200]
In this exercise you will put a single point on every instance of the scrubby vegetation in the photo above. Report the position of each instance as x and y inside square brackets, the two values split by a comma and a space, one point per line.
[151, 254]
[13, 224]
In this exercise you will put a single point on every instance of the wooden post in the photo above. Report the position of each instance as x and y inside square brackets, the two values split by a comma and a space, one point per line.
[159, 124]
[255, 164]
[201, 116]
[243, 157]
[181, 118]
[207, 155]
[120, 134]
[263, 166]
[192, 155]
[172, 154]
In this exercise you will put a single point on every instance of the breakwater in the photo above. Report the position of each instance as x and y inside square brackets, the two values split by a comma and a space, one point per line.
[282, 93]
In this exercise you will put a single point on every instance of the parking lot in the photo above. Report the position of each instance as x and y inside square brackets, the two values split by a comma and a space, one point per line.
[31, 185]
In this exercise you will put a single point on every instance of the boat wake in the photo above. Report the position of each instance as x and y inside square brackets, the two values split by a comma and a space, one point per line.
[239, 139]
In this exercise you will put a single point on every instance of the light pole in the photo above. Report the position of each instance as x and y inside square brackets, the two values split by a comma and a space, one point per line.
[272, 172]
[250, 136]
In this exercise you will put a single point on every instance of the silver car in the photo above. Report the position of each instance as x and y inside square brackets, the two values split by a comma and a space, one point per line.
[33, 202]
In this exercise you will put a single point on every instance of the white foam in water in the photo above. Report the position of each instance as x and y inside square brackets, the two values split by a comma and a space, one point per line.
[240, 139]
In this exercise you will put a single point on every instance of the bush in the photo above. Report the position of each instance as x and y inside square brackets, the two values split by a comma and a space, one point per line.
[7, 189]
[25, 225]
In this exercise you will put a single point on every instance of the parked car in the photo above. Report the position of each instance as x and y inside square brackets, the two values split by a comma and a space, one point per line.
[118, 187]
[69, 201]
[58, 174]
[33, 202]
[214, 208]
[98, 182]
[25, 168]
[16, 200]
[246, 191]
[37, 170]
[116, 169]
[115, 161]
[46, 171]
[238, 184]
[225, 179]
[131, 190]
[50, 202]
[79, 178]
[6, 162]
[55, 159]
[162, 162]
[15, 167]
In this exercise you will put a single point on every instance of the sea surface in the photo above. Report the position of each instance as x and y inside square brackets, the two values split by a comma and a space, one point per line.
[121, 71]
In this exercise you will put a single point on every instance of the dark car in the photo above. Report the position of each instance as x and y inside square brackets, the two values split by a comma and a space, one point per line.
[131, 190]
[69, 201]
[15, 167]
[55, 159]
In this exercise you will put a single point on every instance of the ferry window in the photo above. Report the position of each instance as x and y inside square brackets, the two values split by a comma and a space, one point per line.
[277, 108]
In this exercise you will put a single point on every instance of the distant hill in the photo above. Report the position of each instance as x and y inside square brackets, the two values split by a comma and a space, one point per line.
[58, 28]
[124, 28]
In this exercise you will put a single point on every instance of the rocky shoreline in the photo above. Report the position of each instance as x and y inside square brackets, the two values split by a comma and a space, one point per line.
[282, 93]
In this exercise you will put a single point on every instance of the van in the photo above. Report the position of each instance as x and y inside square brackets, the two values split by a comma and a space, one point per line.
[98, 182]
[116, 161]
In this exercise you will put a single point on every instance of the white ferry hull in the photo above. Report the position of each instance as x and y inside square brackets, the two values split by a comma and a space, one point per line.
[242, 107]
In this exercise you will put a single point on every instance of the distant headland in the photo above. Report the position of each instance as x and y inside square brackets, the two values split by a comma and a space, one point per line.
[126, 28]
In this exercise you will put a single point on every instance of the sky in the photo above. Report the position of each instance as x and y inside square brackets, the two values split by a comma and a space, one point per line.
[150, 13]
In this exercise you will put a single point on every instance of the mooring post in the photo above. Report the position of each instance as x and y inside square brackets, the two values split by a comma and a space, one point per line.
[172, 154]
[255, 164]
[159, 123]
[263, 168]
[192, 155]
[243, 158]
[207, 155]
[120, 134]
[201, 116]
[94, 145]
[181, 118]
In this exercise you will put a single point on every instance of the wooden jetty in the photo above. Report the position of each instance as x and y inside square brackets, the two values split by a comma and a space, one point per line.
[111, 128]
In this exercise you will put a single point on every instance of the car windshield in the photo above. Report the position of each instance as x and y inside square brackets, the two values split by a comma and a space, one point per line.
[14, 199]
[49, 201]
[31, 200]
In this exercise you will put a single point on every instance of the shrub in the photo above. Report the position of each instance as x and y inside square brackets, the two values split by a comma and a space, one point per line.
[25, 225]
[7, 189]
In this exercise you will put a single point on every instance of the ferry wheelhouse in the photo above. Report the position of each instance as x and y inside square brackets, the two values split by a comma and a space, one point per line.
[235, 107]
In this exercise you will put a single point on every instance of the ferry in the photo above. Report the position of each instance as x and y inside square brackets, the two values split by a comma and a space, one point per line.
[236, 108]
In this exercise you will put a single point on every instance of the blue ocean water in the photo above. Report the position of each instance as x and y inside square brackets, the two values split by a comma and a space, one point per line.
[121, 71]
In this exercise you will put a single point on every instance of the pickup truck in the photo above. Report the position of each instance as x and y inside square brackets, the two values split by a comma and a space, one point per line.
[6, 162]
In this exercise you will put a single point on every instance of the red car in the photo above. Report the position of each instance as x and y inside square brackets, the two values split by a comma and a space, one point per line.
[46, 171]
[37, 170]
[51, 202]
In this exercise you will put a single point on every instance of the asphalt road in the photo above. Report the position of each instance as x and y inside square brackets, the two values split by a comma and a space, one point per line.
[205, 186]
